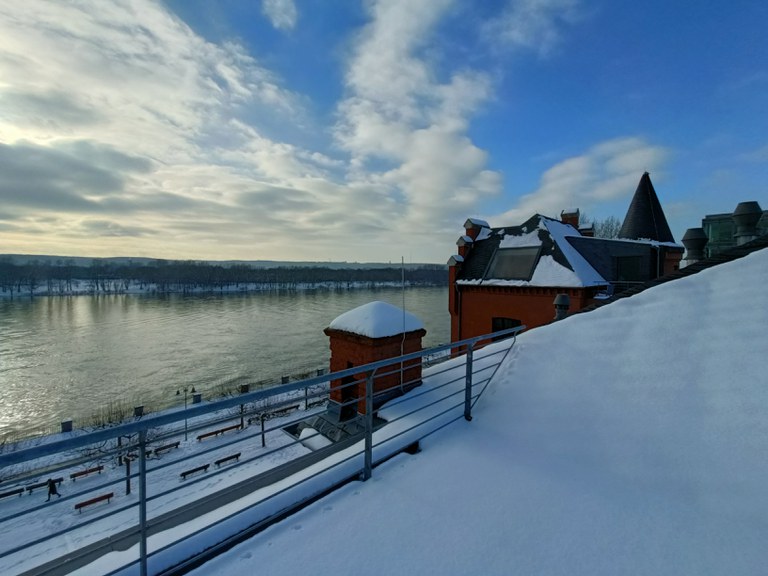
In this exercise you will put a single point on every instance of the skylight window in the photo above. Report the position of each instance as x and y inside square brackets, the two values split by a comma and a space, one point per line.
[514, 263]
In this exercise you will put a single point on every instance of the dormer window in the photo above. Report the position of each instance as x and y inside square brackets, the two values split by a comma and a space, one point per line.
[514, 263]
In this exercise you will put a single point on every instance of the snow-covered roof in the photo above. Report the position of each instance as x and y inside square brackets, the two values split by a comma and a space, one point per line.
[558, 264]
[377, 320]
[654, 464]
[476, 222]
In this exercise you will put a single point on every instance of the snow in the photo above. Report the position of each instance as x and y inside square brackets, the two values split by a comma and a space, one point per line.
[522, 241]
[586, 274]
[547, 273]
[628, 440]
[377, 320]
[312, 439]
[477, 222]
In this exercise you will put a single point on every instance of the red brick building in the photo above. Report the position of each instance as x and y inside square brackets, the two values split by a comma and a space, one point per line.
[505, 277]
[369, 333]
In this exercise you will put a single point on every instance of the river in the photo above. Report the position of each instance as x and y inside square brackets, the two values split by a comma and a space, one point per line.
[74, 357]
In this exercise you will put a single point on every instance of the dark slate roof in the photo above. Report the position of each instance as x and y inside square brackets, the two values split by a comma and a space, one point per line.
[723, 257]
[645, 218]
[601, 253]
[480, 256]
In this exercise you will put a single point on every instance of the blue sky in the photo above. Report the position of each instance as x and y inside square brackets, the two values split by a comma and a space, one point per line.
[366, 130]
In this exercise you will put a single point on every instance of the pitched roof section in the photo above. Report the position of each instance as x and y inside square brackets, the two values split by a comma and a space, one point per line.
[556, 263]
[645, 218]
[760, 243]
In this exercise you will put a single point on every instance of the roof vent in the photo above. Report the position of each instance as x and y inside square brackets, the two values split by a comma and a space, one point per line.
[694, 240]
[562, 304]
[746, 217]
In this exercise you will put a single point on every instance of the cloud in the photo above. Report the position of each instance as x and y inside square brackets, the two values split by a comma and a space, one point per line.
[404, 120]
[607, 171]
[123, 131]
[532, 24]
[281, 13]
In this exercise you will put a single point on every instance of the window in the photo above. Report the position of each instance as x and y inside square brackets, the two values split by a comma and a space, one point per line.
[514, 263]
[630, 269]
[498, 324]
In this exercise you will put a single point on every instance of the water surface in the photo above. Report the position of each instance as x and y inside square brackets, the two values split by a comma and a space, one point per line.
[70, 357]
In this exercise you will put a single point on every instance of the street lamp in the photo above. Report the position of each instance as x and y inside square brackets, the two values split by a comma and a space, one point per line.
[178, 393]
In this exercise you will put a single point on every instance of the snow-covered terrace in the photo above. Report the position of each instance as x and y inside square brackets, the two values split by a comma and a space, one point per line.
[630, 440]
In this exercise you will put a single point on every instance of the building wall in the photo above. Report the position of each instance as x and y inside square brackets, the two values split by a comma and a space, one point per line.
[533, 306]
[355, 350]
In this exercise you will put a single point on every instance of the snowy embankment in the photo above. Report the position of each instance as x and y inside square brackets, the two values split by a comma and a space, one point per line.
[629, 440]
[114, 287]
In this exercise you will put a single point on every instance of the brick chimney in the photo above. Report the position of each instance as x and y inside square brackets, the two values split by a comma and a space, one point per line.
[464, 243]
[473, 227]
[369, 333]
[570, 216]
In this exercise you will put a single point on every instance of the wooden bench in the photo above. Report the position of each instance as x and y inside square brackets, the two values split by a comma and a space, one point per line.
[166, 448]
[13, 492]
[220, 461]
[32, 487]
[80, 505]
[75, 475]
[203, 468]
[219, 431]
[134, 456]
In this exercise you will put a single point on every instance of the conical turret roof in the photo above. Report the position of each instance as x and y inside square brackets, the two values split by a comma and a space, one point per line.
[645, 218]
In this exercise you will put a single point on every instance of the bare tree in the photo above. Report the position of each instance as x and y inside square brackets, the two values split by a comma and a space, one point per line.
[607, 228]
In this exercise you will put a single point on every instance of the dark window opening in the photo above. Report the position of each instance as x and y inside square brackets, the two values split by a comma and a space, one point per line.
[498, 324]
[630, 269]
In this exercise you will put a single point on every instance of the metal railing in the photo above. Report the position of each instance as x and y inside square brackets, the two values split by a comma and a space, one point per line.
[249, 461]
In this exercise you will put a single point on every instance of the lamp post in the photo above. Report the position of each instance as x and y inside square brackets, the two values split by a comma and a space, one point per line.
[178, 393]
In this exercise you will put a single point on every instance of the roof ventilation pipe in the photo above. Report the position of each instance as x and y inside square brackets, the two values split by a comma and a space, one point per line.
[746, 217]
[694, 240]
[562, 304]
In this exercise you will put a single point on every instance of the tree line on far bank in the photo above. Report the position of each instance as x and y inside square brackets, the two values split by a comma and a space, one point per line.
[63, 276]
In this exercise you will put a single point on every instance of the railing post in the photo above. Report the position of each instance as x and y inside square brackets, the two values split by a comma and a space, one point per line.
[368, 470]
[143, 501]
[263, 438]
[468, 387]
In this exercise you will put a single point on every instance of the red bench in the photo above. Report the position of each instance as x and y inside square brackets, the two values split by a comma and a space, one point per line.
[221, 461]
[13, 492]
[165, 448]
[32, 487]
[203, 468]
[80, 505]
[217, 432]
[75, 475]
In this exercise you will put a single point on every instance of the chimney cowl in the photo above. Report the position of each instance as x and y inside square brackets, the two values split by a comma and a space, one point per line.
[562, 303]
[745, 217]
[694, 240]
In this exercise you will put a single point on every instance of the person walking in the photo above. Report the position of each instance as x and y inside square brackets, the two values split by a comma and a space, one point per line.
[52, 489]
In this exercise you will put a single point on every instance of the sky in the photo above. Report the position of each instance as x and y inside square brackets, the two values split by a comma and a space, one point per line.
[366, 130]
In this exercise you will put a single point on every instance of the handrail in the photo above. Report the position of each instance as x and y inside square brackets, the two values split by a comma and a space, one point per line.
[451, 386]
[163, 419]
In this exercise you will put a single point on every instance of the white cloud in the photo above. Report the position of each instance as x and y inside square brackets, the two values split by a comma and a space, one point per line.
[608, 171]
[533, 24]
[89, 82]
[282, 13]
[405, 127]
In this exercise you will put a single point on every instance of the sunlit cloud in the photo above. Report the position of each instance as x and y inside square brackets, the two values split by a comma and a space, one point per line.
[282, 13]
[607, 171]
[535, 25]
